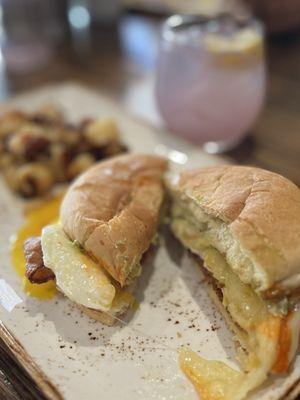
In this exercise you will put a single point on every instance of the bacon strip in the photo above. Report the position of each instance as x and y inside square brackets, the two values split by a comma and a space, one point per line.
[36, 271]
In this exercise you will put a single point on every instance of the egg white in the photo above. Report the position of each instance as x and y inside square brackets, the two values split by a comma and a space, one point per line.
[77, 275]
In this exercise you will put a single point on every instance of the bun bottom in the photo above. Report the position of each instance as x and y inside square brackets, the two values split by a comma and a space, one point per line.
[101, 316]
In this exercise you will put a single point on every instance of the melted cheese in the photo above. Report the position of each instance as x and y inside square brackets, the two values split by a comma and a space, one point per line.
[77, 275]
[43, 215]
[287, 342]
[215, 380]
[243, 304]
[266, 335]
[267, 331]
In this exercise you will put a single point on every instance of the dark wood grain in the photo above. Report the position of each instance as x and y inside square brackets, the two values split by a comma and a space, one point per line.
[15, 383]
[110, 63]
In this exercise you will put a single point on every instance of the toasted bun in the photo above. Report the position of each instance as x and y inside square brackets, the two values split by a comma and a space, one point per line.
[113, 209]
[253, 218]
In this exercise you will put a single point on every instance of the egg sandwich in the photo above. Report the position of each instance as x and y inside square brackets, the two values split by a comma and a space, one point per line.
[242, 225]
[108, 219]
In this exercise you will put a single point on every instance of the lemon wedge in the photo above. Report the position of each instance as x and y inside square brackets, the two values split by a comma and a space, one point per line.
[239, 49]
[243, 41]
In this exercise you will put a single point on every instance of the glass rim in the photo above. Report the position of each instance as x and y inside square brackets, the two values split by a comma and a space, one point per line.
[175, 21]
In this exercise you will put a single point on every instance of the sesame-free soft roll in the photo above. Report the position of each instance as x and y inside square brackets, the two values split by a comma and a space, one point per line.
[112, 211]
[108, 219]
[243, 226]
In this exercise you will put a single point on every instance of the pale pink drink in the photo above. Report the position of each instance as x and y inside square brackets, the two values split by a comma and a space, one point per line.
[210, 83]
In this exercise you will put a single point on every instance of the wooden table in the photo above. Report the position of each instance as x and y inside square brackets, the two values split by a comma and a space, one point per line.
[124, 68]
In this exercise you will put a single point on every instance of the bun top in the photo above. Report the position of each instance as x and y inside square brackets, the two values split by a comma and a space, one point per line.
[112, 210]
[261, 212]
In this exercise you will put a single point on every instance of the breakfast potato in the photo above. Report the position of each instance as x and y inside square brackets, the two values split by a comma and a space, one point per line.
[27, 141]
[79, 164]
[101, 132]
[40, 149]
[33, 179]
[11, 122]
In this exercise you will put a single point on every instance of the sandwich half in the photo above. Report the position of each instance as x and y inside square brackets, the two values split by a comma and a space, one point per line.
[242, 224]
[108, 219]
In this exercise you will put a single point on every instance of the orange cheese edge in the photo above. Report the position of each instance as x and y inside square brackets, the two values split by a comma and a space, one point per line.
[214, 380]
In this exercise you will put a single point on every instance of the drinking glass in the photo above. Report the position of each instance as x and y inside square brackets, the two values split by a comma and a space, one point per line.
[210, 83]
[30, 31]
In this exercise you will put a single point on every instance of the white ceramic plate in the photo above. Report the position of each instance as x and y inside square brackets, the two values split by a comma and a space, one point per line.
[73, 357]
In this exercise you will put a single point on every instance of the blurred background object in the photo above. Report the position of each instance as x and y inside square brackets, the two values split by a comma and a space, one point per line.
[83, 15]
[112, 46]
[104, 11]
[30, 31]
[279, 15]
[79, 18]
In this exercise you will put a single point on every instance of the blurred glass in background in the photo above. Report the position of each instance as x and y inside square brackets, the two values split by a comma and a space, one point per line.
[30, 30]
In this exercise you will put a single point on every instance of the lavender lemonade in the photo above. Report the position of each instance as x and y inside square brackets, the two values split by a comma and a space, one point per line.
[210, 83]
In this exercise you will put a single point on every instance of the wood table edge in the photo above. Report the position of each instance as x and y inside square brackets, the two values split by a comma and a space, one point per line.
[40, 379]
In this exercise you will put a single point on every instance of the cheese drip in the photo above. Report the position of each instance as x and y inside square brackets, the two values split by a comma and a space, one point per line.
[268, 332]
